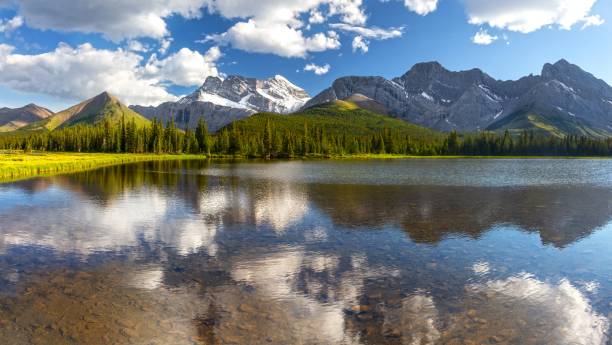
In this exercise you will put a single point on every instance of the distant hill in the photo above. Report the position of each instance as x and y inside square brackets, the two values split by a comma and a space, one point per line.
[337, 118]
[92, 111]
[14, 119]
[544, 123]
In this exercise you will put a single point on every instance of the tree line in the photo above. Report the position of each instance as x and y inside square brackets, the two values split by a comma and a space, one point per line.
[271, 141]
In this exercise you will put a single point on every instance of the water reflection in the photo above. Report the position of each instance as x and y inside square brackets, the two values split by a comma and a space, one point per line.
[562, 313]
[172, 253]
[561, 215]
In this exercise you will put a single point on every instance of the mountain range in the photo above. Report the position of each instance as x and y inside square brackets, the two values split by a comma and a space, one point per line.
[562, 100]
[14, 119]
[221, 101]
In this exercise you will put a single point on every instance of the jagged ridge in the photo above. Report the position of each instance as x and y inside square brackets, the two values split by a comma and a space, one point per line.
[434, 97]
[221, 101]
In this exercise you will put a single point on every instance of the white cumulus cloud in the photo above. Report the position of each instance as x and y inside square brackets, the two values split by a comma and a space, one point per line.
[360, 44]
[116, 20]
[316, 17]
[422, 7]
[164, 45]
[137, 46]
[318, 70]
[8, 26]
[530, 15]
[185, 67]
[274, 38]
[370, 32]
[594, 20]
[482, 37]
[77, 73]
[275, 26]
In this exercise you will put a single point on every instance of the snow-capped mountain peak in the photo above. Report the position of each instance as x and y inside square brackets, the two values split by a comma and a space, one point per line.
[276, 94]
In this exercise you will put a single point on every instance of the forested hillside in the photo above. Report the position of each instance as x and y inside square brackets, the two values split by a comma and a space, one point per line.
[335, 129]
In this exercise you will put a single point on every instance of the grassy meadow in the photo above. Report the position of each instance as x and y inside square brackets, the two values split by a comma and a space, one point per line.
[17, 165]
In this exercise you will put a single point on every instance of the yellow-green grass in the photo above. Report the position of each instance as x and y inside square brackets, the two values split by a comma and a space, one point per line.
[17, 165]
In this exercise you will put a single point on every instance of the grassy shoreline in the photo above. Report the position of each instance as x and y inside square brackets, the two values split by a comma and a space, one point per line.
[16, 165]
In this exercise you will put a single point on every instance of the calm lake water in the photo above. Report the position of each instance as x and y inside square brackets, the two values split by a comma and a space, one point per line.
[316, 252]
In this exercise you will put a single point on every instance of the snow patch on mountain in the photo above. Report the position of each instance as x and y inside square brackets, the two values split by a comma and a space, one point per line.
[216, 99]
[498, 114]
[427, 96]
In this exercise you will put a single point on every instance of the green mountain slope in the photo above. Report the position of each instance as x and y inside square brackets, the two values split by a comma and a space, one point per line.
[92, 111]
[336, 118]
[547, 124]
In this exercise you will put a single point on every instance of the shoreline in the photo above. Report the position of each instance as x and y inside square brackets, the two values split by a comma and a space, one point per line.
[18, 165]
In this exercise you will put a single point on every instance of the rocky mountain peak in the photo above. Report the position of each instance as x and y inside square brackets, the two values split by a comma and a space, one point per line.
[562, 69]
[576, 80]
[276, 94]
[433, 77]
[212, 83]
[428, 67]
[103, 97]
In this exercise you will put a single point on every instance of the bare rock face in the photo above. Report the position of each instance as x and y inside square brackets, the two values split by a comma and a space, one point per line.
[186, 115]
[221, 101]
[432, 96]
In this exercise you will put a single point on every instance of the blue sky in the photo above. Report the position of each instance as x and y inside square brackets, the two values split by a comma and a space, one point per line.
[56, 53]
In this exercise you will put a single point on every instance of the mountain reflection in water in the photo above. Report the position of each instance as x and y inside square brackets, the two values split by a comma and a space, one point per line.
[201, 252]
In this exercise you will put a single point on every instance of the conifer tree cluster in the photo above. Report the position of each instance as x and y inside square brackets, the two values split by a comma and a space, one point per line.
[272, 141]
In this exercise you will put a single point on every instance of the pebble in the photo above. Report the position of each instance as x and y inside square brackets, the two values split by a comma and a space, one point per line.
[360, 308]
[245, 308]
[392, 333]
[496, 339]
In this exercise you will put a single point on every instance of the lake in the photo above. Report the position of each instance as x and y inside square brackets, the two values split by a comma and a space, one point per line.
[423, 251]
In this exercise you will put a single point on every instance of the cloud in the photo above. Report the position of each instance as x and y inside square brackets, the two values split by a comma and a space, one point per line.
[275, 26]
[359, 43]
[288, 12]
[570, 318]
[185, 67]
[316, 17]
[422, 7]
[350, 11]
[371, 32]
[77, 73]
[278, 39]
[164, 44]
[482, 37]
[318, 70]
[8, 26]
[594, 20]
[137, 46]
[530, 15]
[116, 20]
